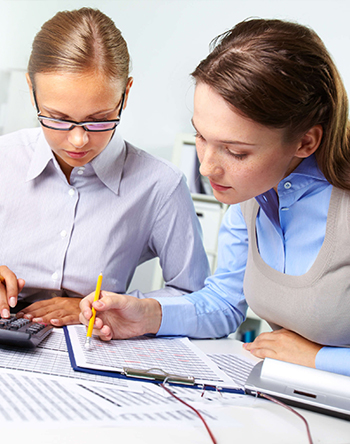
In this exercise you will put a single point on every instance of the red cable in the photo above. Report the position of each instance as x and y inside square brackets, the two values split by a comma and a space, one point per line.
[192, 408]
[270, 398]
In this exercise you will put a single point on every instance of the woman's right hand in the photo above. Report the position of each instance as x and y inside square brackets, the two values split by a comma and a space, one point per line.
[120, 316]
[10, 286]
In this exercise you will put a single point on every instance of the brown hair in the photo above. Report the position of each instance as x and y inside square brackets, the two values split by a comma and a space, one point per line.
[280, 75]
[78, 41]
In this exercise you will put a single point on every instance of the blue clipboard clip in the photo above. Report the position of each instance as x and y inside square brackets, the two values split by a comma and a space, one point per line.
[157, 374]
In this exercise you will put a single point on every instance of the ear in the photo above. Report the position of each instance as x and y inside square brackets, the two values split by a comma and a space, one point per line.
[127, 90]
[310, 142]
[30, 85]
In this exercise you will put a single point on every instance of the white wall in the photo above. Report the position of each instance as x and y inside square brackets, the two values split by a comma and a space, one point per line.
[167, 39]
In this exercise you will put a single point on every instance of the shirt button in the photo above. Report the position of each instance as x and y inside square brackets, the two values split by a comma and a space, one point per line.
[55, 276]
[63, 233]
[71, 192]
[80, 172]
[287, 185]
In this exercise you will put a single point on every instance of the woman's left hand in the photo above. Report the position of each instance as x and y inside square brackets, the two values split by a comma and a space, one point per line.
[284, 345]
[57, 311]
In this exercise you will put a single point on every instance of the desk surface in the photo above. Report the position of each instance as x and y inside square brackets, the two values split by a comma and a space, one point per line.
[258, 421]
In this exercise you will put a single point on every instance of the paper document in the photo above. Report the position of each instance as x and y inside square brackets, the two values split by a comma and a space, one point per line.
[51, 358]
[237, 367]
[175, 356]
[156, 406]
[32, 400]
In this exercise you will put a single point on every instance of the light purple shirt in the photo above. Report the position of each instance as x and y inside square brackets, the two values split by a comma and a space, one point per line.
[123, 208]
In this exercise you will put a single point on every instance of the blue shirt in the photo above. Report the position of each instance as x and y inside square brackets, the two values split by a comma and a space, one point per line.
[118, 211]
[290, 232]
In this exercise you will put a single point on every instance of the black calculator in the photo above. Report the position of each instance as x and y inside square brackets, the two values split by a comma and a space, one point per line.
[22, 332]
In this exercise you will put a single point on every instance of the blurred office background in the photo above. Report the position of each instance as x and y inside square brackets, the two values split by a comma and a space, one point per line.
[166, 39]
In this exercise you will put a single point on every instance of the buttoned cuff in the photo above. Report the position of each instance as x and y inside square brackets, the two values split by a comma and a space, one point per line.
[178, 316]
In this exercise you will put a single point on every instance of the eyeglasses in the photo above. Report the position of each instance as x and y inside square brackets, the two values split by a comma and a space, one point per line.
[67, 125]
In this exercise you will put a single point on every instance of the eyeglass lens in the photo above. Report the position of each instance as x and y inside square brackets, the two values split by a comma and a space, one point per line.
[91, 126]
[58, 124]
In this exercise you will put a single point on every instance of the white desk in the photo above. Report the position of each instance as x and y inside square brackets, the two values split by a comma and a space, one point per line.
[254, 421]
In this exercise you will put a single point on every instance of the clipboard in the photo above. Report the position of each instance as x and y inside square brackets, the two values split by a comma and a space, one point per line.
[152, 374]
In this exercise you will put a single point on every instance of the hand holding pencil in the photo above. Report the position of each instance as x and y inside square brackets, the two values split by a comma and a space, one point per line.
[92, 319]
[121, 316]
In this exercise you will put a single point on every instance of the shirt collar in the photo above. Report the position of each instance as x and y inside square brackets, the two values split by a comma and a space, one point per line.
[41, 157]
[108, 165]
[306, 178]
[308, 168]
[305, 175]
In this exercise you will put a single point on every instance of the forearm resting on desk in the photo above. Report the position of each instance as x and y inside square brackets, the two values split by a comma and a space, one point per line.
[121, 316]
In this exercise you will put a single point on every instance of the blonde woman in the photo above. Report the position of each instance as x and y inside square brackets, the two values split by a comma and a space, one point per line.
[76, 199]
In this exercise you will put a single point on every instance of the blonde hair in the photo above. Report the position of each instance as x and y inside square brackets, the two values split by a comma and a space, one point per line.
[79, 41]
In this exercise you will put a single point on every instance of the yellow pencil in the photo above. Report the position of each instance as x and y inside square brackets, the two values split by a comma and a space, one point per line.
[92, 319]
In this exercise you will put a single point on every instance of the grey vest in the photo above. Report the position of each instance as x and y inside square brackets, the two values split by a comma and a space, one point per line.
[316, 304]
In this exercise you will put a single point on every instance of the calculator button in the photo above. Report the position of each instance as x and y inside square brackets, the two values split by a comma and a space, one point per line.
[22, 332]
